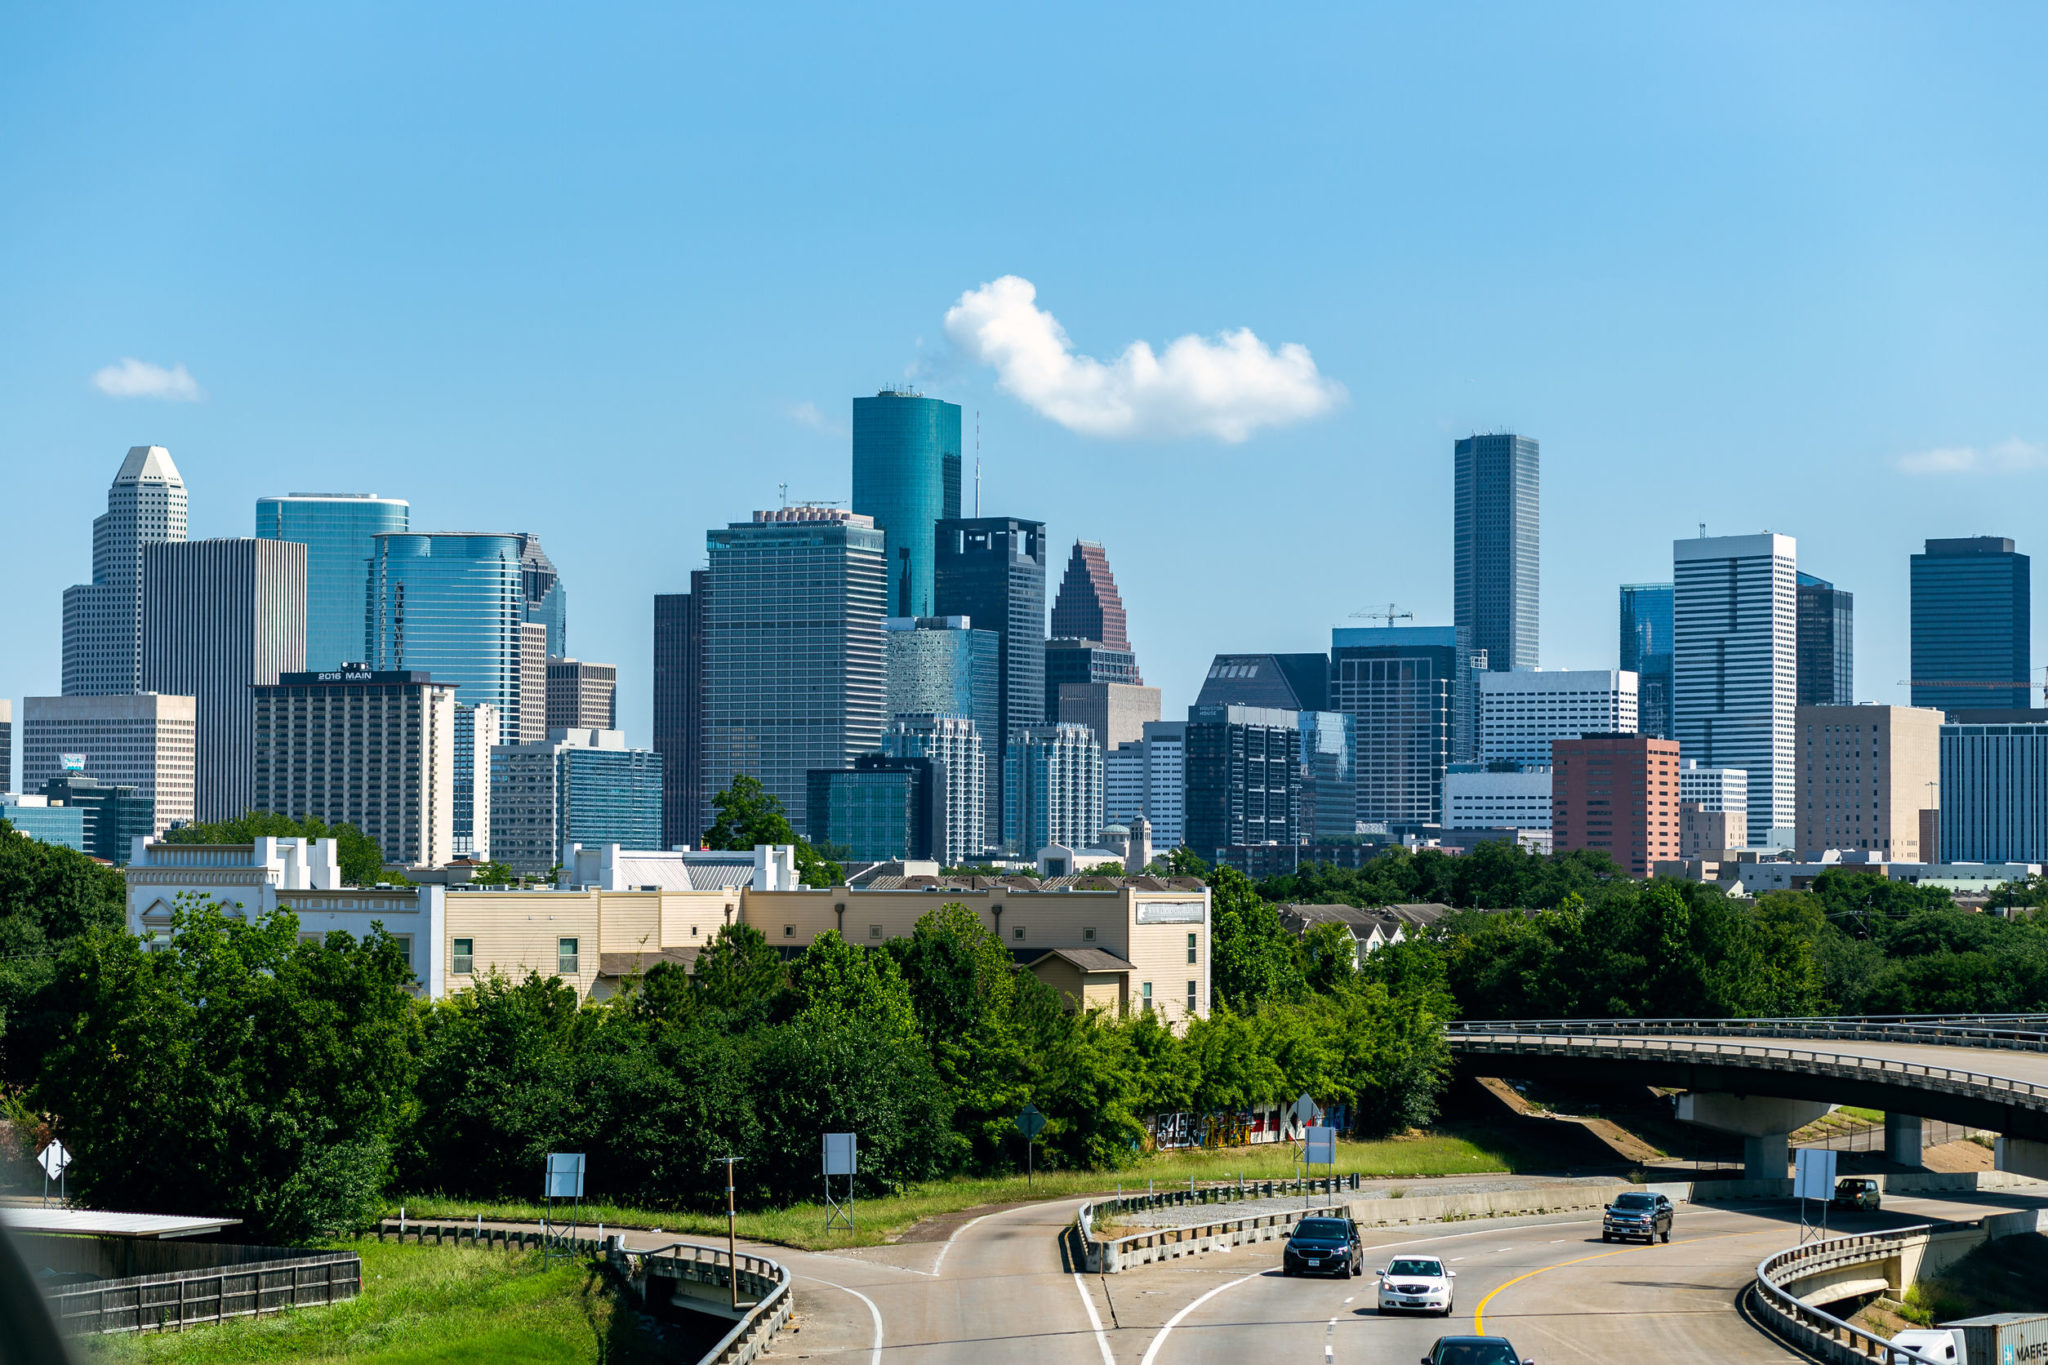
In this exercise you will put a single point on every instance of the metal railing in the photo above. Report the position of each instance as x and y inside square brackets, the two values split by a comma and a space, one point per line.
[177, 1299]
[768, 1281]
[2024, 1032]
[1824, 1333]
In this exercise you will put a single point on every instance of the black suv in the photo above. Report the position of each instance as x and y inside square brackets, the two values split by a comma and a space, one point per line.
[1323, 1246]
[1644, 1215]
[1474, 1351]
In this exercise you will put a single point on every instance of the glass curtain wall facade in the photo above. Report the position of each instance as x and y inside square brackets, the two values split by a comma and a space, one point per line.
[1646, 652]
[679, 708]
[1972, 625]
[1244, 777]
[1994, 793]
[1827, 643]
[547, 601]
[339, 531]
[452, 606]
[885, 809]
[1496, 558]
[906, 476]
[1329, 774]
[992, 570]
[1405, 688]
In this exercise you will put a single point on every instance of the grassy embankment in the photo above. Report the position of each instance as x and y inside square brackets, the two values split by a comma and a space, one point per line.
[420, 1304]
[1467, 1151]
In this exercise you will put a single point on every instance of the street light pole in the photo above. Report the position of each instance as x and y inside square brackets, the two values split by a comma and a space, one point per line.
[732, 1248]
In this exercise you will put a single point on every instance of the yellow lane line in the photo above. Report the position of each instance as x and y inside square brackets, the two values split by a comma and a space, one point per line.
[1479, 1313]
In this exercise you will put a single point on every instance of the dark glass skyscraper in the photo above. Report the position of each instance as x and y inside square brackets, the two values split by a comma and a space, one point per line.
[1646, 652]
[992, 569]
[1827, 643]
[906, 475]
[1410, 692]
[679, 707]
[1972, 635]
[1244, 777]
[1497, 516]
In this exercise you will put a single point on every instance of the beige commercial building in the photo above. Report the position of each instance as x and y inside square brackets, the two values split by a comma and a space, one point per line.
[1116, 712]
[1866, 774]
[143, 740]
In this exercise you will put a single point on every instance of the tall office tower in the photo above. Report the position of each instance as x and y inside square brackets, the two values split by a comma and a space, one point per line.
[219, 618]
[906, 478]
[1497, 796]
[1085, 661]
[115, 815]
[1646, 652]
[992, 569]
[1117, 713]
[371, 749]
[1827, 643]
[883, 809]
[1088, 606]
[1329, 774]
[679, 708]
[1495, 541]
[792, 651]
[1867, 777]
[476, 734]
[1290, 682]
[582, 695]
[7, 745]
[1243, 777]
[103, 618]
[547, 601]
[144, 740]
[1521, 713]
[1972, 618]
[1053, 780]
[574, 787]
[1617, 794]
[339, 531]
[1734, 667]
[954, 743]
[1149, 779]
[453, 606]
[1408, 690]
[942, 666]
[1992, 777]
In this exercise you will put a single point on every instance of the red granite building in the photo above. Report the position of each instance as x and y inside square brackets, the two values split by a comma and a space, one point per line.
[1618, 794]
[1089, 607]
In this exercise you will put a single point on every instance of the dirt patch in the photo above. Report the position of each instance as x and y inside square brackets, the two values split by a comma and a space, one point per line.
[940, 1226]
[1957, 1157]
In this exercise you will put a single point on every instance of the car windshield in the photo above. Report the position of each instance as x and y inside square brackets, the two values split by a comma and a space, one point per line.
[1417, 1267]
[1491, 1352]
[1636, 1201]
[1321, 1228]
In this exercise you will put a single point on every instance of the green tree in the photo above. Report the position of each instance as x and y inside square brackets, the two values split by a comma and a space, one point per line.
[750, 815]
[493, 873]
[362, 864]
[738, 976]
[48, 896]
[1253, 957]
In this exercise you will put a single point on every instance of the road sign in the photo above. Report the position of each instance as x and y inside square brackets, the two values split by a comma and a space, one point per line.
[1305, 1108]
[1030, 1122]
[1322, 1147]
[839, 1154]
[53, 1159]
[1813, 1173]
[564, 1176]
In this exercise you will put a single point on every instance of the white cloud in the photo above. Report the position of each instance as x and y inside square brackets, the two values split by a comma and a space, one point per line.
[134, 378]
[808, 414]
[2007, 457]
[1227, 386]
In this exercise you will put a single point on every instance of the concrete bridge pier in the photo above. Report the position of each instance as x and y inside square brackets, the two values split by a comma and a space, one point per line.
[1902, 1141]
[1764, 1123]
[2023, 1156]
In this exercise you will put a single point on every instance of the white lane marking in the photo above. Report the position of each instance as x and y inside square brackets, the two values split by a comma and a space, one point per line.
[1094, 1318]
[934, 1271]
[874, 1357]
[1349, 1300]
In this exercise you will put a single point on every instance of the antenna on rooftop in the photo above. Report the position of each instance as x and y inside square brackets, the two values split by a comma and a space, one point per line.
[977, 463]
[782, 490]
[1703, 530]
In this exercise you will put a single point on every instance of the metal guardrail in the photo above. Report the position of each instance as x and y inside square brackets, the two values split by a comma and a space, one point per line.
[768, 1281]
[1824, 1333]
[1109, 1255]
[174, 1300]
[2023, 1032]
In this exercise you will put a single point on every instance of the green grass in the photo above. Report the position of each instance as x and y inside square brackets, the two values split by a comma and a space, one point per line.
[420, 1304]
[1463, 1151]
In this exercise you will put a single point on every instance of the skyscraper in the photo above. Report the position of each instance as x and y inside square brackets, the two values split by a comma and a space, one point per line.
[906, 476]
[142, 740]
[453, 606]
[794, 674]
[1521, 714]
[1618, 794]
[1292, 682]
[1244, 777]
[1052, 777]
[883, 809]
[992, 569]
[339, 532]
[1495, 542]
[547, 601]
[1409, 690]
[476, 734]
[1149, 779]
[103, 618]
[1646, 652]
[1734, 666]
[1089, 606]
[954, 744]
[1827, 643]
[679, 708]
[582, 695]
[576, 786]
[1972, 641]
[221, 617]
[1869, 778]
[1085, 661]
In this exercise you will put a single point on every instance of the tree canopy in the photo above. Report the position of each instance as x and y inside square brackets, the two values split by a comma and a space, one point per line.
[362, 863]
[748, 814]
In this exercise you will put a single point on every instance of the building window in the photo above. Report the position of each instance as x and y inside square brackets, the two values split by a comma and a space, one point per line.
[1191, 955]
[1018, 933]
[874, 931]
[789, 931]
[464, 957]
[1087, 936]
[1145, 994]
[565, 957]
[1192, 987]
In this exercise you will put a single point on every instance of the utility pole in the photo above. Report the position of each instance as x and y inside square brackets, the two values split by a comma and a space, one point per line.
[732, 1246]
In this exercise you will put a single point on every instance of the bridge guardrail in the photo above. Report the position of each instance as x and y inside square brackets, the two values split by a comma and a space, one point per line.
[1823, 1333]
[1111, 1255]
[768, 1280]
[2022, 1032]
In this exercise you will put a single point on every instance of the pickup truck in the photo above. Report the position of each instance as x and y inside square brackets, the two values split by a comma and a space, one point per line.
[1643, 1215]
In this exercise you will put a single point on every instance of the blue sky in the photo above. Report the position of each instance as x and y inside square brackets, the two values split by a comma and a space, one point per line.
[581, 271]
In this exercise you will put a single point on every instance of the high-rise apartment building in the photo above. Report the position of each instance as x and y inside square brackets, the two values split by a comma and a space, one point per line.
[103, 619]
[1287, 682]
[453, 606]
[954, 744]
[1735, 680]
[1409, 691]
[679, 708]
[220, 618]
[883, 809]
[1992, 781]
[906, 480]
[1866, 775]
[339, 531]
[1088, 606]
[1053, 780]
[546, 600]
[476, 734]
[1244, 777]
[144, 740]
[1646, 652]
[575, 787]
[794, 669]
[1495, 547]
[582, 695]
[1617, 794]
[1972, 625]
[992, 569]
[1149, 779]
[371, 749]
[1520, 714]
[1827, 643]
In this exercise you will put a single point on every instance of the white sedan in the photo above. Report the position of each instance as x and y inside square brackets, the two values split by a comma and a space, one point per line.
[1420, 1284]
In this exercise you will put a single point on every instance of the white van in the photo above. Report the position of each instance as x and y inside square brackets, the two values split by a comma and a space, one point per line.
[1937, 1344]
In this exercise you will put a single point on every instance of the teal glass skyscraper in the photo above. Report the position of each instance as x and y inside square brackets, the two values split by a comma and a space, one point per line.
[451, 606]
[1972, 626]
[1646, 652]
[906, 475]
[1495, 559]
[339, 531]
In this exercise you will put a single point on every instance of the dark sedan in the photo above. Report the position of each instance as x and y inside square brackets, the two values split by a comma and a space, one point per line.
[1474, 1351]
[1323, 1246]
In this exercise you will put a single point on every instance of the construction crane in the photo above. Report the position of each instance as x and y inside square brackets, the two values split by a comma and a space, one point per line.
[1389, 615]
